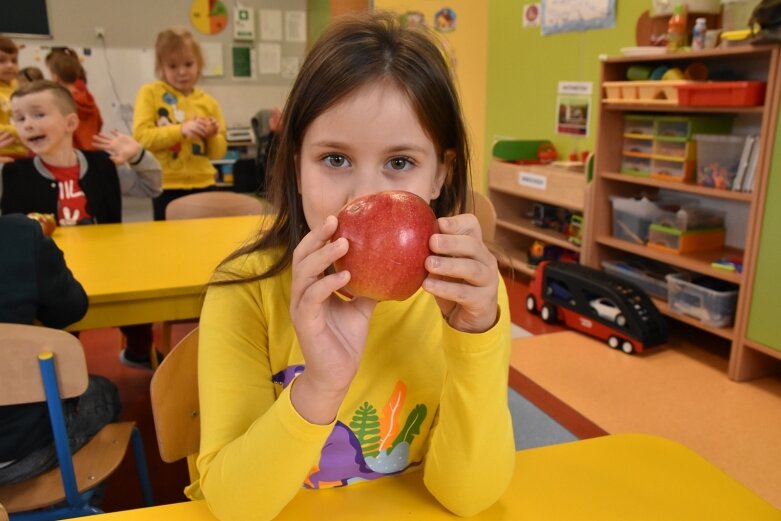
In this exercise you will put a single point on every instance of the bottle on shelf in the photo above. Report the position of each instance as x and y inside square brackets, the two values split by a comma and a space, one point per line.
[698, 34]
[676, 29]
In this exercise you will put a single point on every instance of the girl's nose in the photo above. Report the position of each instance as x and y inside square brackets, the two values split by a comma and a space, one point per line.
[368, 186]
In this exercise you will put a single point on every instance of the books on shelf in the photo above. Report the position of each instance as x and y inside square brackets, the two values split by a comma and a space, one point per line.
[744, 177]
[737, 183]
[751, 168]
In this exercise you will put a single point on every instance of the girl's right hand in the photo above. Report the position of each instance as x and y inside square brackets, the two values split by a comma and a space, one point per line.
[332, 332]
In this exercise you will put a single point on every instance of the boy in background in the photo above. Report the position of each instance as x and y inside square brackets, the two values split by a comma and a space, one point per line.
[9, 68]
[66, 69]
[77, 187]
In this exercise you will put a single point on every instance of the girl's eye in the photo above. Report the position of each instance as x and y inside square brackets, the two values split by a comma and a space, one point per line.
[336, 161]
[400, 163]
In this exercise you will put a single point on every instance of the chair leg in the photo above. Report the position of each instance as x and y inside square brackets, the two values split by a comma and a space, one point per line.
[153, 361]
[143, 472]
[167, 330]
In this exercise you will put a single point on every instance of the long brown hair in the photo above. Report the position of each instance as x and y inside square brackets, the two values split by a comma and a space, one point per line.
[355, 51]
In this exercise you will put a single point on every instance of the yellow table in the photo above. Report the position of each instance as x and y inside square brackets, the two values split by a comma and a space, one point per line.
[621, 477]
[141, 272]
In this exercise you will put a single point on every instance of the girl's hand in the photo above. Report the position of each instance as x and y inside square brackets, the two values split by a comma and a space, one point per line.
[463, 274]
[194, 129]
[212, 127]
[332, 332]
[121, 148]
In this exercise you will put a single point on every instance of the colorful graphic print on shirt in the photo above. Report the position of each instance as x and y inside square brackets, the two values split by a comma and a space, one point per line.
[171, 114]
[71, 201]
[375, 444]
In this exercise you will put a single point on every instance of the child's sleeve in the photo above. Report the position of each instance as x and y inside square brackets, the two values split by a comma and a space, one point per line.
[141, 177]
[62, 298]
[471, 455]
[217, 145]
[145, 129]
[255, 448]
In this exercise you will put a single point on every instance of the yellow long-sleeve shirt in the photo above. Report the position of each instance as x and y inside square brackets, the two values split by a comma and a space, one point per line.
[159, 113]
[425, 396]
[17, 149]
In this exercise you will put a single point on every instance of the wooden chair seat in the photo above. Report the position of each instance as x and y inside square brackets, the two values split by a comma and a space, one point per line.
[93, 463]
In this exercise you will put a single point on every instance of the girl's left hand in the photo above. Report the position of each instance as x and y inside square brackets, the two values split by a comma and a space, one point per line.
[463, 274]
[120, 147]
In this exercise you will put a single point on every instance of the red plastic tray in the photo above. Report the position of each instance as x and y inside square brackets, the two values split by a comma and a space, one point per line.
[721, 93]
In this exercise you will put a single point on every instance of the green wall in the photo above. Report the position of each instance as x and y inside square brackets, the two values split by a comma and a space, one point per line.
[318, 16]
[763, 318]
[525, 67]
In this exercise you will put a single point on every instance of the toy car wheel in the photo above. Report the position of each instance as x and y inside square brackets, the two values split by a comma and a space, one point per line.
[613, 342]
[548, 314]
[621, 320]
[531, 304]
[627, 347]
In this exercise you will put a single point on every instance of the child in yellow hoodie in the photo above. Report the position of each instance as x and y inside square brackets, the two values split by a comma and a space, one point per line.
[180, 124]
[9, 68]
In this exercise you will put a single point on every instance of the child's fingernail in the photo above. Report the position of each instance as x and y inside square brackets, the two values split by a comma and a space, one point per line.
[444, 223]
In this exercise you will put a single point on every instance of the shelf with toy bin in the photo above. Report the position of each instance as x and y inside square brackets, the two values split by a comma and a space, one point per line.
[539, 210]
[743, 85]
[651, 277]
[663, 146]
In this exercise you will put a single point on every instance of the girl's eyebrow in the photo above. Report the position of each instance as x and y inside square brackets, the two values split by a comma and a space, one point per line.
[396, 148]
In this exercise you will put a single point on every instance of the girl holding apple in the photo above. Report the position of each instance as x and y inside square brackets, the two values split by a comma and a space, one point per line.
[301, 386]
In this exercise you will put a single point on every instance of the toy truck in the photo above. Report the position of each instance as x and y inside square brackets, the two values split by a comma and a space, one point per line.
[598, 304]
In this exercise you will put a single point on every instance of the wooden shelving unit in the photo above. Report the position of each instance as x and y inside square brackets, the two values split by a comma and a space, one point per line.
[514, 189]
[748, 358]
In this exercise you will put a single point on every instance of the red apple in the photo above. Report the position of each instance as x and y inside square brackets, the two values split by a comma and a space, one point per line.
[388, 234]
[47, 221]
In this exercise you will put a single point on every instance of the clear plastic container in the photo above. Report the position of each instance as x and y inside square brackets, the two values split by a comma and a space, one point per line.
[736, 13]
[710, 300]
[718, 158]
[632, 218]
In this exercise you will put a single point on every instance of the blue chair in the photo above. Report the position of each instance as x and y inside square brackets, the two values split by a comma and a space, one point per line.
[42, 364]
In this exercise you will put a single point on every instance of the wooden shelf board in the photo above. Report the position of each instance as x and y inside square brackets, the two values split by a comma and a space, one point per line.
[681, 187]
[526, 227]
[542, 197]
[719, 53]
[756, 346]
[723, 332]
[514, 258]
[639, 106]
[699, 262]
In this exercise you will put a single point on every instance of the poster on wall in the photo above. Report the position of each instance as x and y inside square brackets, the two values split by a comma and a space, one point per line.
[209, 16]
[573, 108]
[561, 16]
[531, 15]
